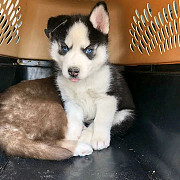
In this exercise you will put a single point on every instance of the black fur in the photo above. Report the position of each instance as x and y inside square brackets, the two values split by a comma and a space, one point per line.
[119, 89]
[95, 36]
[59, 26]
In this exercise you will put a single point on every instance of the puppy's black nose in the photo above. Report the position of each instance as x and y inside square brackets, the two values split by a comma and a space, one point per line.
[73, 71]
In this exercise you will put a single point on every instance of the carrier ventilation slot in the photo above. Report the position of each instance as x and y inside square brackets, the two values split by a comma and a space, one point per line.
[10, 21]
[156, 31]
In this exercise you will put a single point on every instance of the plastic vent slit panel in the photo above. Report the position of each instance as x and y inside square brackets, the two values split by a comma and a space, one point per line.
[10, 21]
[162, 28]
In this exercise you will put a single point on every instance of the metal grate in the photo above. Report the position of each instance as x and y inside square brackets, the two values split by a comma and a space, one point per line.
[10, 21]
[159, 31]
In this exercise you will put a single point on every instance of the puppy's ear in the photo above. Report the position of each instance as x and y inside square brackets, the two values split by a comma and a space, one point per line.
[54, 23]
[99, 17]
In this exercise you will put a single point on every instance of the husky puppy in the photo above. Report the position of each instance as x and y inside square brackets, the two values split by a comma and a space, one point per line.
[91, 88]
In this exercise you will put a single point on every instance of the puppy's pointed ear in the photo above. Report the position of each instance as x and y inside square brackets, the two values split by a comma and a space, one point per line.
[99, 17]
[54, 23]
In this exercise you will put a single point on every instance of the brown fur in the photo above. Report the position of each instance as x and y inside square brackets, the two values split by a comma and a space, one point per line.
[32, 121]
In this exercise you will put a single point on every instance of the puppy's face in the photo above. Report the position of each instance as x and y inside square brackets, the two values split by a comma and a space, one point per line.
[79, 43]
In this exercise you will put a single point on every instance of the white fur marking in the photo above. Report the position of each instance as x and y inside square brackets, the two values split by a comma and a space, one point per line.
[86, 91]
[54, 51]
[77, 36]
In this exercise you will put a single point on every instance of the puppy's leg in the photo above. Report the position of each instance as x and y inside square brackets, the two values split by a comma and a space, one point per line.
[87, 134]
[123, 120]
[106, 108]
[75, 120]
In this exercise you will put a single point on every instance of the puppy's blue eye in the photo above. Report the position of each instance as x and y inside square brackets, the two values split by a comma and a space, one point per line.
[88, 51]
[65, 49]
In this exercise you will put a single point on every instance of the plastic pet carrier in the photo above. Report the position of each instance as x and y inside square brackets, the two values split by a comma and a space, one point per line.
[145, 43]
[141, 32]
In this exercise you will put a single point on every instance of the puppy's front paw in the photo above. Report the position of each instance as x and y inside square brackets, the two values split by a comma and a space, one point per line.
[86, 136]
[83, 149]
[100, 141]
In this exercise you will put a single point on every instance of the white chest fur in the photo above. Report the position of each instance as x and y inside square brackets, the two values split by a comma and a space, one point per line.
[86, 92]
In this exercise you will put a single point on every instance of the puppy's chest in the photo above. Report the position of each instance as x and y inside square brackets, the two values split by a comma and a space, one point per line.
[85, 98]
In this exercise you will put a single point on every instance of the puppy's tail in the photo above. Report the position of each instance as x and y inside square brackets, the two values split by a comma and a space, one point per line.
[15, 143]
[123, 121]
